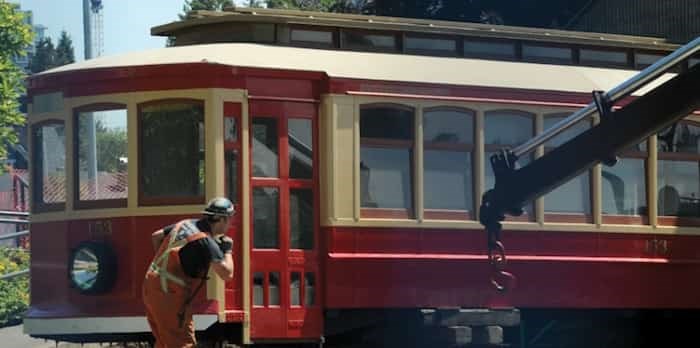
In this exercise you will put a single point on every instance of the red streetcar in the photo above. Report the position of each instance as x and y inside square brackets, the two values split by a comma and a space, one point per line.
[355, 149]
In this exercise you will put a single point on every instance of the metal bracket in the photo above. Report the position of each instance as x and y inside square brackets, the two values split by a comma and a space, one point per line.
[504, 165]
[604, 106]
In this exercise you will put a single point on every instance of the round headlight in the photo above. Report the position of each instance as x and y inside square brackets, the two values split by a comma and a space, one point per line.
[92, 267]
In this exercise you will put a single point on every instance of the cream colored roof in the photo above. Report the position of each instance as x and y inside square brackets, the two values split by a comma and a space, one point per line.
[377, 66]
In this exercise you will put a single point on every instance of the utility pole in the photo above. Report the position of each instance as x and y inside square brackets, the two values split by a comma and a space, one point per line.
[91, 155]
[87, 29]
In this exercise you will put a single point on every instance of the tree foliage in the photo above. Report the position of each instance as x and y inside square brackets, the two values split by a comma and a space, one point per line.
[15, 292]
[64, 53]
[210, 5]
[47, 56]
[338, 6]
[44, 56]
[111, 144]
[15, 36]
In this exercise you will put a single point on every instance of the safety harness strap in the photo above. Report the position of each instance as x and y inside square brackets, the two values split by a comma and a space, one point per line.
[178, 237]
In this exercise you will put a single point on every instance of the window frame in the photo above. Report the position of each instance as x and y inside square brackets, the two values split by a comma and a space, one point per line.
[37, 193]
[144, 200]
[390, 213]
[573, 53]
[629, 57]
[398, 43]
[428, 52]
[670, 220]
[452, 214]
[335, 37]
[517, 54]
[92, 204]
[525, 217]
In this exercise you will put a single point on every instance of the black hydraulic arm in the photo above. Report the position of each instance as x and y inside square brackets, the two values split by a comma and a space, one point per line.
[616, 131]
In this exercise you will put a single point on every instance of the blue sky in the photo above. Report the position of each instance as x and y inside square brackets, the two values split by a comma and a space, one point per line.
[127, 23]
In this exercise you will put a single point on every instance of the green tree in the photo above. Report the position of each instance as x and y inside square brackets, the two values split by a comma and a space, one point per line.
[307, 5]
[44, 56]
[47, 56]
[15, 291]
[64, 53]
[111, 144]
[209, 5]
[15, 36]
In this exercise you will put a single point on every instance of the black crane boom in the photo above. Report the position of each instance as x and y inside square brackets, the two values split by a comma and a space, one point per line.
[616, 131]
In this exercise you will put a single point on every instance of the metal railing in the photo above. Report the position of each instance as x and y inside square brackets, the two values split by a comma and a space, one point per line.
[18, 219]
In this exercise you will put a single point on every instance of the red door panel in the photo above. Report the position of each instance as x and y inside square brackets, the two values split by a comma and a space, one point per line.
[284, 251]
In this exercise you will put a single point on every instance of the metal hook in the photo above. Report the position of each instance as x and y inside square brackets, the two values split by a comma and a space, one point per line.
[497, 257]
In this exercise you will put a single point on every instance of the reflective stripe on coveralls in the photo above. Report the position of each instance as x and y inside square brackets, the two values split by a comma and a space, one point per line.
[166, 303]
[177, 240]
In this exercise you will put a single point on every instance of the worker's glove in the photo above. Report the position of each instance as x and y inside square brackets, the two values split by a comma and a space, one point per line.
[225, 244]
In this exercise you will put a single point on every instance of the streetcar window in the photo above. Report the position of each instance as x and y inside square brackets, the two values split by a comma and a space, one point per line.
[448, 136]
[101, 156]
[547, 53]
[367, 40]
[266, 217]
[232, 175]
[274, 288]
[301, 148]
[49, 160]
[624, 187]
[258, 289]
[643, 60]
[301, 219]
[624, 190]
[430, 45]
[311, 37]
[678, 176]
[265, 147]
[602, 57]
[693, 61]
[386, 141]
[171, 152]
[489, 49]
[506, 128]
[295, 289]
[231, 130]
[49, 102]
[574, 196]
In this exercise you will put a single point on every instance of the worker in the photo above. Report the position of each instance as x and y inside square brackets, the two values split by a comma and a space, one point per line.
[184, 253]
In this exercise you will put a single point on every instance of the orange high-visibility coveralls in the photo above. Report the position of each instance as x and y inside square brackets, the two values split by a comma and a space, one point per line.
[167, 287]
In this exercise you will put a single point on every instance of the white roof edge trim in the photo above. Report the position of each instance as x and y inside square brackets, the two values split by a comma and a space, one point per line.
[377, 66]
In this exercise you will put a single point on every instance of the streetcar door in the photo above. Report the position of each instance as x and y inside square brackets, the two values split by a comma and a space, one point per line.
[284, 253]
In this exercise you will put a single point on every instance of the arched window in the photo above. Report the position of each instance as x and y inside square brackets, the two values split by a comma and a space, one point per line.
[507, 128]
[570, 202]
[678, 175]
[49, 166]
[171, 152]
[448, 138]
[386, 160]
[100, 156]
